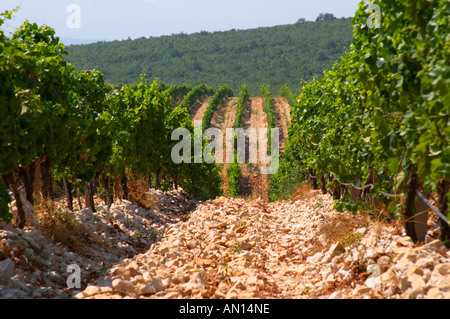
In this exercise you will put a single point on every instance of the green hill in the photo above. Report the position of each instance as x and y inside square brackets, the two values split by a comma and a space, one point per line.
[274, 56]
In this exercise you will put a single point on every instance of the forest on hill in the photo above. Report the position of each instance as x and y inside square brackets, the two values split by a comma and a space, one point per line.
[275, 56]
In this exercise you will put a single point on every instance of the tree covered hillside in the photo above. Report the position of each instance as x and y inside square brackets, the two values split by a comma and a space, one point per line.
[270, 55]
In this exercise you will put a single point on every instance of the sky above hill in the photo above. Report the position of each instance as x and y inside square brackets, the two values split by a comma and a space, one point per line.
[120, 19]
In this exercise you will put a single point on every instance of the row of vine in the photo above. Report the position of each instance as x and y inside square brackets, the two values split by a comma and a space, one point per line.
[72, 127]
[381, 115]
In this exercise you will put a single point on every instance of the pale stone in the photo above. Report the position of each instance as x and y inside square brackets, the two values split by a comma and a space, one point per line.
[442, 269]
[436, 245]
[406, 261]
[246, 246]
[147, 276]
[336, 295]
[101, 296]
[163, 250]
[322, 285]
[166, 282]
[171, 295]
[285, 234]
[389, 278]
[79, 295]
[315, 258]
[373, 282]
[438, 280]
[435, 293]
[157, 283]
[361, 291]
[239, 285]
[91, 290]
[412, 293]
[383, 261]
[206, 293]
[232, 294]
[428, 261]
[180, 278]
[30, 217]
[121, 272]
[223, 286]
[440, 276]
[133, 268]
[413, 271]
[219, 295]
[330, 279]
[123, 286]
[148, 289]
[199, 280]
[362, 230]
[417, 283]
[7, 269]
[335, 250]
[405, 241]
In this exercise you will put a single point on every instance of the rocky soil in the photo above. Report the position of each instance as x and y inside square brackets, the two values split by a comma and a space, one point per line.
[225, 248]
[34, 261]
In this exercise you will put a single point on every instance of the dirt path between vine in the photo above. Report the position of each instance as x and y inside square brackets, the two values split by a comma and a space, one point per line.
[298, 249]
[224, 118]
[254, 184]
[200, 109]
[227, 248]
[282, 114]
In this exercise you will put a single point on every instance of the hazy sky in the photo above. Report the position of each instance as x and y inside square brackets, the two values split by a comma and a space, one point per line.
[117, 20]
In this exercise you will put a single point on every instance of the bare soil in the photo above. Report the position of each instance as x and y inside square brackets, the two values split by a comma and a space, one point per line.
[282, 114]
[224, 118]
[254, 184]
[198, 110]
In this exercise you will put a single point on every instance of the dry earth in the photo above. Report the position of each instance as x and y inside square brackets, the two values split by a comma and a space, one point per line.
[254, 184]
[226, 248]
[198, 110]
[282, 115]
[224, 118]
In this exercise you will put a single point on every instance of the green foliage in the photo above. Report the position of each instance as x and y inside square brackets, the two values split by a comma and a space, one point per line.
[196, 94]
[407, 79]
[264, 91]
[221, 93]
[350, 206]
[286, 92]
[288, 177]
[5, 199]
[268, 105]
[351, 238]
[178, 92]
[84, 126]
[385, 105]
[234, 174]
[272, 55]
[243, 98]
[325, 17]
[202, 180]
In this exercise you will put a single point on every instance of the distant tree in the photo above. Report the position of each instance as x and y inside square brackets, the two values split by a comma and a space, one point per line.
[271, 55]
[325, 17]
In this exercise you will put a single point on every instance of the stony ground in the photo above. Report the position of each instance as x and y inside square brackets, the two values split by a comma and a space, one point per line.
[225, 248]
